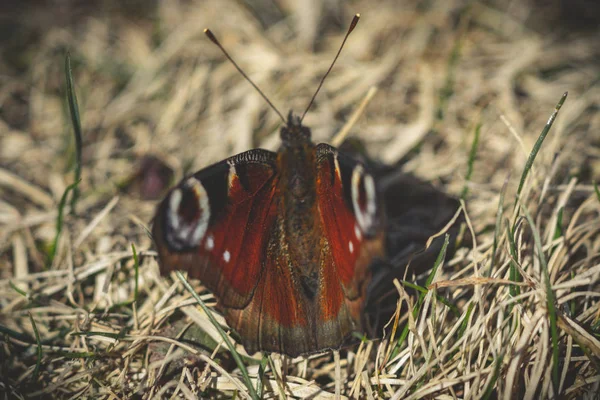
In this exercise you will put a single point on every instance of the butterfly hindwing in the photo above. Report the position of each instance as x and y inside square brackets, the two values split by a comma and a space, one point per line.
[213, 225]
[276, 318]
[281, 316]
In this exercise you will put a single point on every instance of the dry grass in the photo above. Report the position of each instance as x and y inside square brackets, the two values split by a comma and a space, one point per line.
[152, 83]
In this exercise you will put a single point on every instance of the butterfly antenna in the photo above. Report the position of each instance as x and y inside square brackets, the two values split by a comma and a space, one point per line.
[350, 29]
[213, 39]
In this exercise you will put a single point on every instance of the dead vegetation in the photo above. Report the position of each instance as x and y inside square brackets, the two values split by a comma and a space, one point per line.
[95, 321]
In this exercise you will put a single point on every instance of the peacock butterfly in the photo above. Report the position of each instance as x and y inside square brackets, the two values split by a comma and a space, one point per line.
[284, 240]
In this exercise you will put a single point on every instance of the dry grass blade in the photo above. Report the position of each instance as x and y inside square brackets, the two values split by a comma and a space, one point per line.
[225, 337]
[589, 344]
[339, 138]
[551, 300]
[14, 182]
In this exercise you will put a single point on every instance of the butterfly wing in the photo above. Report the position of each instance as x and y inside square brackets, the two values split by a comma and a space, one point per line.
[351, 219]
[213, 225]
[277, 318]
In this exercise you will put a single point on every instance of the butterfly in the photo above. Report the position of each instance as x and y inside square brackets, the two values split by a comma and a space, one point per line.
[283, 239]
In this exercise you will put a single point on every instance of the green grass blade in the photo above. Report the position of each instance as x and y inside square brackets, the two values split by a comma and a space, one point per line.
[440, 258]
[59, 221]
[550, 300]
[463, 325]
[16, 289]
[558, 229]
[538, 243]
[439, 298]
[539, 142]
[236, 356]
[78, 354]
[597, 191]
[471, 161]
[76, 122]
[421, 298]
[489, 390]
[262, 369]
[515, 274]
[38, 362]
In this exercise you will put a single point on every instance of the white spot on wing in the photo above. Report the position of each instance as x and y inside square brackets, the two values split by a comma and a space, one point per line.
[357, 232]
[351, 247]
[210, 242]
[226, 256]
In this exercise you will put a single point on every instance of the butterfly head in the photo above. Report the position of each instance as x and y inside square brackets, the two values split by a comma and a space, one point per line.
[293, 133]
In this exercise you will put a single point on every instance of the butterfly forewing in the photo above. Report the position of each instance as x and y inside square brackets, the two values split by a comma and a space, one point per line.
[213, 225]
[351, 218]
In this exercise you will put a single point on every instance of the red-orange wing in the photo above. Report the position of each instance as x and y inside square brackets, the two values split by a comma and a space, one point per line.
[214, 225]
[277, 318]
[350, 215]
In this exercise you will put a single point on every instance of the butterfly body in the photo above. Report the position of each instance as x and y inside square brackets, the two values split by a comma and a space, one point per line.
[283, 240]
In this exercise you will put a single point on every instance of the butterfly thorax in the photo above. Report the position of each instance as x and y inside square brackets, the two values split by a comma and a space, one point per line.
[300, 224]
